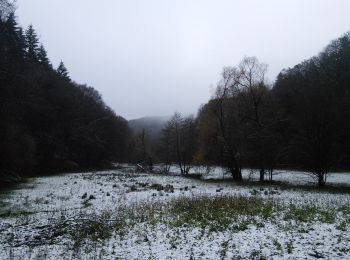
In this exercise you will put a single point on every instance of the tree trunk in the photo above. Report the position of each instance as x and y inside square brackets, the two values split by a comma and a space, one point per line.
[321, 179]
[236, 172]
[262, 175]
[270, 175]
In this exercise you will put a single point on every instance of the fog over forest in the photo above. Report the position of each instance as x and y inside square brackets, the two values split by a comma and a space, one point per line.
[182, 130]
[170, 54]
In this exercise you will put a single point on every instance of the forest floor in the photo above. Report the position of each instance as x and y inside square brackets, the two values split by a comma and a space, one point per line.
[121, 214]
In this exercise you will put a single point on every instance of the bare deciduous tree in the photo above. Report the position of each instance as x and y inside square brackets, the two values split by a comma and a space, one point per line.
[6, 8]
[179, 141]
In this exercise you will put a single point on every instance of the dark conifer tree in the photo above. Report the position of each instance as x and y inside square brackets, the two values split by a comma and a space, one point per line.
[62, 71]
[10, 41]
[32, 44]
[42, 56]
[49, 123]
[22, 42]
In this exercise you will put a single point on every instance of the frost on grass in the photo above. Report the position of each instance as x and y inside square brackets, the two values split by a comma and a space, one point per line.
[123, 215]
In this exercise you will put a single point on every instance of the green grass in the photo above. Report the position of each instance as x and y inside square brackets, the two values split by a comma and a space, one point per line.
[207, 213]
[2, 206]
[310, 214]
[6, 212]
[86, 203]
[96, 228]
[210, 214]
[342, 226]
[290, 247]
[13, 214]
[219, 213]
[301, 214]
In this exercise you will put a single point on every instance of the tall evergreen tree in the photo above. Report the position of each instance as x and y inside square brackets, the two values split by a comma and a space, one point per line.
[22, 42]
[32, 42]
[48, 123]
[42, 56]
[62, 71]
[10, 42]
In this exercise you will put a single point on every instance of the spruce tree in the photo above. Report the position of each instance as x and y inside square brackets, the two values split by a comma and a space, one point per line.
[10, 41]
[62, 71]
[11, 35]
[32, 43]
[42, 56]
[22, 42]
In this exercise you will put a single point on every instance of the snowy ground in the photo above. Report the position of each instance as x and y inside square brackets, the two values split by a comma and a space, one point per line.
[120, 214]
[285, 176]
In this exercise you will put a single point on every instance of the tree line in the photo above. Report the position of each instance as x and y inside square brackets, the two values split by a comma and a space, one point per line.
[48, 122]
[302, 121]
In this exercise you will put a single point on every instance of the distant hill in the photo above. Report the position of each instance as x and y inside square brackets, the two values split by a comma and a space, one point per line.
[152, 124]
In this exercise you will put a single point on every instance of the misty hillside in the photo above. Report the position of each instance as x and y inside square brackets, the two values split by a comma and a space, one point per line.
[261, 170]
[152, 124]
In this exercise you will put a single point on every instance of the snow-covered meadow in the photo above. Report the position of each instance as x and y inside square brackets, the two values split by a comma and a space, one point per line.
[121, 214]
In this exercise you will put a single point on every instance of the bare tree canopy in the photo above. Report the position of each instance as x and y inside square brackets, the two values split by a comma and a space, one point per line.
[6, 7]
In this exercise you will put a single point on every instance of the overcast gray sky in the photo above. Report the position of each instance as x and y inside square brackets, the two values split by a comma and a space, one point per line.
[152, 57]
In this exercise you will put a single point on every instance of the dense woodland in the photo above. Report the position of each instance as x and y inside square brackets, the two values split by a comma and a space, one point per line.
[300, 122]
[49, 123]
